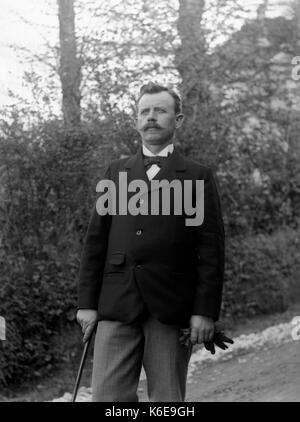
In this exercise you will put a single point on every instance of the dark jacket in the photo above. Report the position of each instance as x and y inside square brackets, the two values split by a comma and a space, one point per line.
[176, 270]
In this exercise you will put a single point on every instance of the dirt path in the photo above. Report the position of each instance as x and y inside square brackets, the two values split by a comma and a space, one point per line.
[260, 376]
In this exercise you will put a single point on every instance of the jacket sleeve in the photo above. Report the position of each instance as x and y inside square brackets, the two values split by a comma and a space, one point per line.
[210, 241]
[93, 259]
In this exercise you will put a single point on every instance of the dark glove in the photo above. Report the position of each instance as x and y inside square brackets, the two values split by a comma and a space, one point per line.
[219, 339]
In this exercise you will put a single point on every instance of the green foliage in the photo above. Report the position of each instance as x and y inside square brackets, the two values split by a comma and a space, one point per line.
[45, 207]
[262, 273]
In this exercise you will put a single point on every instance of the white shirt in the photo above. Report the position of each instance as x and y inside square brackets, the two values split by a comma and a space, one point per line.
[154, 169]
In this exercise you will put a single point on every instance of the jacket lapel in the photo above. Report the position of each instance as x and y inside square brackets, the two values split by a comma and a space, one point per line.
[136, 170]
[175, 163]
[169, 171]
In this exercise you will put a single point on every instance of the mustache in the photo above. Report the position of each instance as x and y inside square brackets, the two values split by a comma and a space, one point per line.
[151, 125]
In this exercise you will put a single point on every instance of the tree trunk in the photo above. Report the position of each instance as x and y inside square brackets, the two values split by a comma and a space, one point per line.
[70, 69]
[191, 56]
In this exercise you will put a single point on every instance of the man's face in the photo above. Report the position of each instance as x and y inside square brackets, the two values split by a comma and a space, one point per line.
[156, 120]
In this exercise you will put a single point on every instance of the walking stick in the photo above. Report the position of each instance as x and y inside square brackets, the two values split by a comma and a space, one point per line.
[82, 362]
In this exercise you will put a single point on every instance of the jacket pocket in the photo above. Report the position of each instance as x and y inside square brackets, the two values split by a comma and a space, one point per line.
[115, 263]
[117, 259]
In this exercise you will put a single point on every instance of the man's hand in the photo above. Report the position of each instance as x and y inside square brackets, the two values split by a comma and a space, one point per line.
[202, 329]
[87, 318]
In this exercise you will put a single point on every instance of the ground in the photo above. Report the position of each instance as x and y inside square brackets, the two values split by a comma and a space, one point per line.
[271, 373]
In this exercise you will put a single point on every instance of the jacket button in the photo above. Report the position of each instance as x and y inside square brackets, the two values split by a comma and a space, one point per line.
[138, 266]
[139, 232]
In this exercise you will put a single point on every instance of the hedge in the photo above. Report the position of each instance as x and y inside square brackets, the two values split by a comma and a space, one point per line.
[262, 273]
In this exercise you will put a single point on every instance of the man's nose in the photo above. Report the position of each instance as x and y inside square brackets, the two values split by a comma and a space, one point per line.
[151, 116]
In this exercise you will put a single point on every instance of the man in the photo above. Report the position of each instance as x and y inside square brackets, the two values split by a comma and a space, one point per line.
[144, 278]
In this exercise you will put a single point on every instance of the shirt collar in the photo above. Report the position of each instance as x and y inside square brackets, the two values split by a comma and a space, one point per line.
[163, 153]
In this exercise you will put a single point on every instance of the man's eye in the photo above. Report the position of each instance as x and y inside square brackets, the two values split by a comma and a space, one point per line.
[143, 112]
[161, 110]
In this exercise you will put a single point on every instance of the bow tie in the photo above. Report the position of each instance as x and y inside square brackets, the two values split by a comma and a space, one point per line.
[157, 159]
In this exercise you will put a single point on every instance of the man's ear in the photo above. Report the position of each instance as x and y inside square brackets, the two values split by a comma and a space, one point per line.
[179, 120]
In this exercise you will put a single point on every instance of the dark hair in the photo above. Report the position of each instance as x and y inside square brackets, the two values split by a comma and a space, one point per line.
[153, 88]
